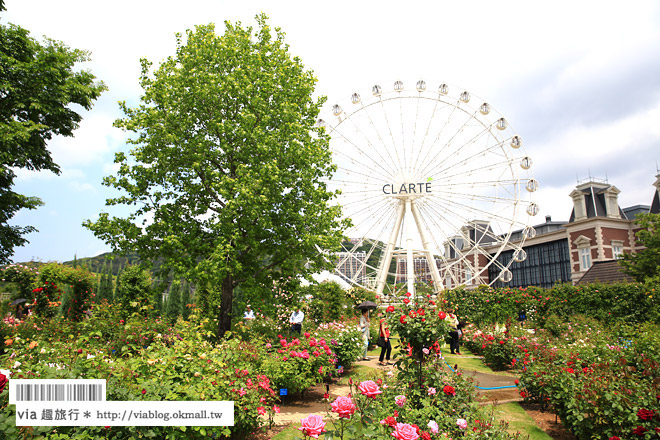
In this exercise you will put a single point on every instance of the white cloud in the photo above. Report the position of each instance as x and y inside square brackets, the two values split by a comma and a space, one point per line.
[81, 186]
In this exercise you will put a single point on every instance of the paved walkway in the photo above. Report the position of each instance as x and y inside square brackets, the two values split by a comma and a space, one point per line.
[295, 408]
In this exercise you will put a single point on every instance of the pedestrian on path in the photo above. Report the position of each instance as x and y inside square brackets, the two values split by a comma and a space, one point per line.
[364, 328]
[386, 347]
[452, 321]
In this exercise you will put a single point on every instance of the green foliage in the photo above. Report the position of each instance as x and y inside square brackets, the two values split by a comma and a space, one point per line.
[78, 285]
[22, 279]
[598, 378]
[228, 161]
[345, 340]
[173, 308]
[141, 354]
[38, 84]
[134, 291]
[645, 263]
[329, 302]
[48, 299]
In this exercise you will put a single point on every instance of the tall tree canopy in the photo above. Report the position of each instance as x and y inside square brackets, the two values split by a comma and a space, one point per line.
[37, 85]
[645, 263]
[227, 169]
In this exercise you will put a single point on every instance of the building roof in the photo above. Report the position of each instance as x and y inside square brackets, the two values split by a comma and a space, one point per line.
[605, 272]
[655, 205]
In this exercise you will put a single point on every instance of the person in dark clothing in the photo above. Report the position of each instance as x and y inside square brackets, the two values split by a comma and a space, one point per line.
[386, 348]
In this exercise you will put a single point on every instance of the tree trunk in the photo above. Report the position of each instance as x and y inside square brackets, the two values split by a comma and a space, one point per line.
[224, 320]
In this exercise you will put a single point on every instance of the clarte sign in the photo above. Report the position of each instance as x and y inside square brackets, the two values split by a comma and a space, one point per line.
[407, 188]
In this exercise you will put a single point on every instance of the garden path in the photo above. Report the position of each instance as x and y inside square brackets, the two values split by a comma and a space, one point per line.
[295, 408]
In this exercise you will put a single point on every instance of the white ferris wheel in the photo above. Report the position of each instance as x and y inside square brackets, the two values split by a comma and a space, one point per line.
[436, 183]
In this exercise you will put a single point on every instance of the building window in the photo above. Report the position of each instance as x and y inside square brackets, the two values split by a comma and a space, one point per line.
[585, 259]
[617, 249]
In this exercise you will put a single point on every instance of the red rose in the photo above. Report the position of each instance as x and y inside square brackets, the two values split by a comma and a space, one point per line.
[645, 414]
[442, 315]
[389, 421]
[640, 430]
[389, 309]
[406, 300]
[3, 382]
[408, 294]
[449, 390]
[403, 319]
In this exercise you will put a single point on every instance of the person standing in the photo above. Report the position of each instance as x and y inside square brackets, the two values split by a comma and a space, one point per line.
[249, 314]
[452, 321]
[364, 328]
[386, 348]
[296, 320]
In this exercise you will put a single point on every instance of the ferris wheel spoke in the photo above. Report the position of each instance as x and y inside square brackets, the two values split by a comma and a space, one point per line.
[477, 211]
[487, 167]
[467, 160]
[373, 148]
[484, 198]
[442, 130]
[426, 133]
[372, 123]
[364, 164]
[447, 144]
[456, 153]
[389, 129]
[503, 183]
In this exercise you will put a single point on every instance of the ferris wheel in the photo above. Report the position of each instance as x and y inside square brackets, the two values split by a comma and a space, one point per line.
[436, 184]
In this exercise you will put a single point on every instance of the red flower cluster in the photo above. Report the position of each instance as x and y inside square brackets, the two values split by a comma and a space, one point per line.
[449, 390]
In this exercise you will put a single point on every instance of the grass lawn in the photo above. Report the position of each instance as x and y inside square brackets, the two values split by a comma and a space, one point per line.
[466, 362]
[519, 421]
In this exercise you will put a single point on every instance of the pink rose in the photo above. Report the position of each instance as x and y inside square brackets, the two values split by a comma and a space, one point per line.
[404, 431]
[433, 427]
[261, 410]
[312, 425]
[400, 400]
[344, 407]
[431, 391]
[276, 409]
[369, 388]
[461, 423]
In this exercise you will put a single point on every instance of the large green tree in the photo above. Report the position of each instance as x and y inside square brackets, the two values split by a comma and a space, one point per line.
[645, 263]
[227, 169]
[38, 84]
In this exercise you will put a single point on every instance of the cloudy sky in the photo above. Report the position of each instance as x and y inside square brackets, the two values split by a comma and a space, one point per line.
[579, 81]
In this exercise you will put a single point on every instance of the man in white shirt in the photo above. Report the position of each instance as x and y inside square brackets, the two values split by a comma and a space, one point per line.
[249, 314]
[296, 320]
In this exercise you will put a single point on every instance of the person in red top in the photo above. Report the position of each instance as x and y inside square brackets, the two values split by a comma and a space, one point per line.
[386, 348]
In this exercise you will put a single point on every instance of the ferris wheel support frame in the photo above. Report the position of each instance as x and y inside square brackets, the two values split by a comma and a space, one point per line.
[382, 270]
[408, 210]
[433, 268]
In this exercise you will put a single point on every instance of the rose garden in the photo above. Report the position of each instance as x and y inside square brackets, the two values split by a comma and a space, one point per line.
[590, 355]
